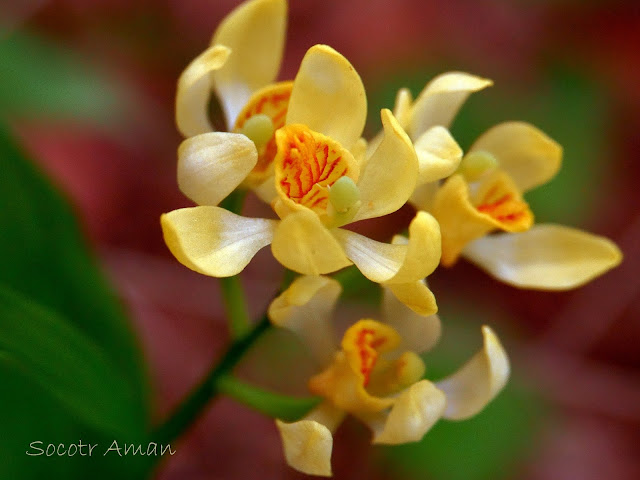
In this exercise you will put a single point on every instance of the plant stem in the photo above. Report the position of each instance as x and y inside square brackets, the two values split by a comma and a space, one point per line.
[235, 305]
[272, 404]
[191, 408]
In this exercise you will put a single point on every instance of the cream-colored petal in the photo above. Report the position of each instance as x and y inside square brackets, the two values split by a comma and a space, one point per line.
[415, 295]
[305, 308]
[414, 412]
[402, 108]
[390, 175]
[474, 385]
[212, 165]
[397, 264]
[419, 332]
[194, 89]
[303, 244]
[529, 156]
[438, 155]
[547, 257]
[441, 99]
[214, 241]
[255, 32]
[328, 96]
[307, 446]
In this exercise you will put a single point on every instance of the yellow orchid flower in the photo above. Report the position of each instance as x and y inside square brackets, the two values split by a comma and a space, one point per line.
[486, 194]
[376, 374]
[322, 180]
[240, 67]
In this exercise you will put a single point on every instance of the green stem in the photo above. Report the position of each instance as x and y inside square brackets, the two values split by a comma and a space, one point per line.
[234, 201]
[235, 305]
[191, 408]
[272, 404]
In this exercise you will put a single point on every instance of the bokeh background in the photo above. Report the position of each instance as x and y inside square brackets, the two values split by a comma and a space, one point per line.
[87, 91]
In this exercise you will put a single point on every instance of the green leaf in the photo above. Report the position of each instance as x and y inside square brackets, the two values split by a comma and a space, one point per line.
[73, 317]
[67, 364]
[44, 257]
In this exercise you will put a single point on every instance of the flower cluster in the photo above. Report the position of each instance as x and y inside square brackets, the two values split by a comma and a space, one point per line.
[298, 146]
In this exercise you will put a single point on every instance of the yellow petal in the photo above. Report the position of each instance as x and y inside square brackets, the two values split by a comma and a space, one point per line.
[194, 89]
[441, 99]
[419, 332]
[547, 257]
[497, 205]
[213, 241]
[328, 96]
[307, 446]
[303, 244]
[438, 154]
[416, 296]
[255, 33]
[397, 264]
[402, 109]
[305, 308]
[390, 174]
[474, 385]
[529, 156]
[414, 412]
[212, 165]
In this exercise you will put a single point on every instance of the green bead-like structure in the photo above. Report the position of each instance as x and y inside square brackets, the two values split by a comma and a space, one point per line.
[259, 129]
[344, 194]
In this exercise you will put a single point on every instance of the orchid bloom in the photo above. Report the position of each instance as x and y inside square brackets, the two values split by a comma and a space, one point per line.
[322, 180]
[375, 374]
[240, 67]
[486, 194]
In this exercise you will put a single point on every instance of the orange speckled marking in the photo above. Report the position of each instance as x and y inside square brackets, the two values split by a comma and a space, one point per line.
[272, 101]
[503, 207]
[367, 345]
[306, 164]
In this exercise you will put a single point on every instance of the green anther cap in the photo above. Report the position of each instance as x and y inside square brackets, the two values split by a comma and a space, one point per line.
[343, 194]
[259, 128]
[474, 164]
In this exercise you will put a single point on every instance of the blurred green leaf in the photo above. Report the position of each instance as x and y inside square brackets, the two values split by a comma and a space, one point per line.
[67, 364]
[45, 259]
[38, 77]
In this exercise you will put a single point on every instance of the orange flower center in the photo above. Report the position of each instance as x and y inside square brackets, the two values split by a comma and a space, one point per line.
[307, 163]
[506, 207]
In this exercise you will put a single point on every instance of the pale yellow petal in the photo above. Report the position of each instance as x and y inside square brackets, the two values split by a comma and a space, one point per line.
[416, 296]
[441, 99]
[414, 412]
[547, 257]
[305, 308]
[213, 241]
[397, 264]
[438, 155]
[402, 108]
[474, 385]
[307, 446]
[419, 332]
[194, 90]
[266, 191]
[255, 33]
[303, 244]
[529, 156]
[328, 96]
[212, 165]
[390, 174]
